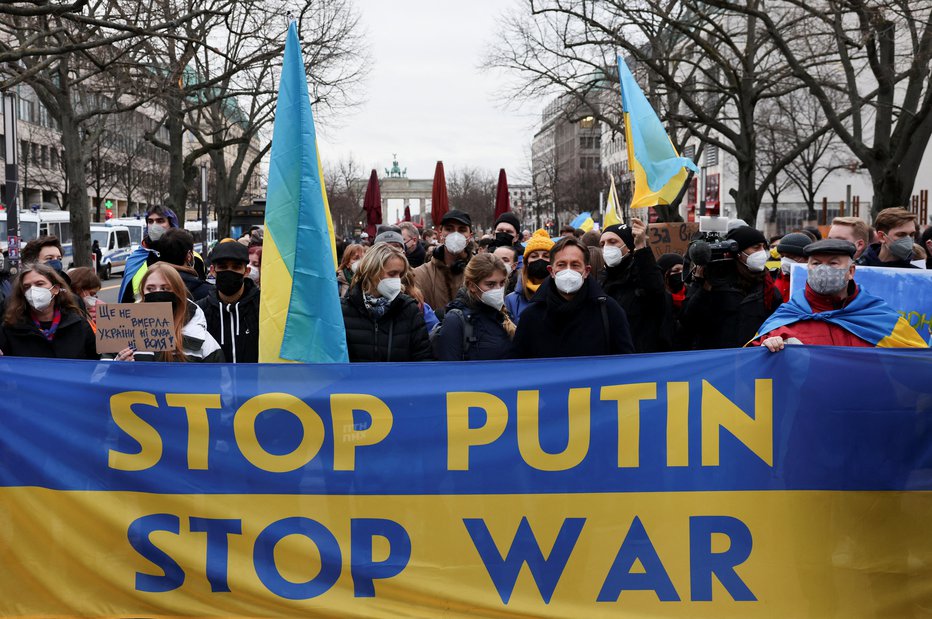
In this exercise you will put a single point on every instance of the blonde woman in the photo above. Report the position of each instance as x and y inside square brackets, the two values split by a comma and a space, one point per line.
[351, 257]
[476, 325]
[382, 323]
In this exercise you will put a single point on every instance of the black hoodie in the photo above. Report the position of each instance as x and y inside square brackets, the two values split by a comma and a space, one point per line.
[235, 325]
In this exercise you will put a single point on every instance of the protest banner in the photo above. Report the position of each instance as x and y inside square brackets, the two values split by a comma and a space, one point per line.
[908, 291]
[732, 483]
[141, 326]
[671, 238]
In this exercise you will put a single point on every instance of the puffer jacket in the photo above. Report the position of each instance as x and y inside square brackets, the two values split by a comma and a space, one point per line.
[488, 339]
[235, 325]
[398, 335]
[74, 339]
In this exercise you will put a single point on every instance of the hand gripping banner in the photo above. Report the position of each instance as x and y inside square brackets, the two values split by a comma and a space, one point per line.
[733, 483]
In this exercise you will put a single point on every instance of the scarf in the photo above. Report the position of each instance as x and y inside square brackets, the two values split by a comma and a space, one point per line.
[49, 334]
[377, 306]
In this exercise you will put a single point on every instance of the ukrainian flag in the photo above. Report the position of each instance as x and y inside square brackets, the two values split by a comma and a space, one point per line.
[583, 221]
[612, 212]
[300, 318]
[659, 172]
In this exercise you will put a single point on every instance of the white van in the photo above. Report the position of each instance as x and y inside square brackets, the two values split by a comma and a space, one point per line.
[47, 221]
[115, 248]
[136, 225]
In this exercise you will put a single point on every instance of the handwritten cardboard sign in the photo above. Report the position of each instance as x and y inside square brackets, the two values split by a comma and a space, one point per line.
[142, 326]
[671, 238]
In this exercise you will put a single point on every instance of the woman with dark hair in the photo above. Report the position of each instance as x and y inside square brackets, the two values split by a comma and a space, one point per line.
[476, 325]
[85, 283]
[42, 319]
[162, 283]
[382, 322]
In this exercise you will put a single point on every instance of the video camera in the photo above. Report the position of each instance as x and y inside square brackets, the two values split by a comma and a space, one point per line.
[712, 246]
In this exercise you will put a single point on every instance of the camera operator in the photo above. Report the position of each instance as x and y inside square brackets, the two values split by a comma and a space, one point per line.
[732, 292]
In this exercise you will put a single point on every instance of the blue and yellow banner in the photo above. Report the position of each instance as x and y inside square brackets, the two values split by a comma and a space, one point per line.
[736, 483]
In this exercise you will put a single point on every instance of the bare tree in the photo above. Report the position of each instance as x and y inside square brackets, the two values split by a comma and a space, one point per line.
[881, 53]
[473, 190]
[707, 71]
[346, 186]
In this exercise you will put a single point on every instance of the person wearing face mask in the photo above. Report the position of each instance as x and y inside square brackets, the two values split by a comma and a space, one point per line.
[633, 279]
[570, 316]
[414, 249]
[382, 322]
[511, 256]
[42, 320]
[441, 277]
[730, 298]
[255, 264]
[232, 308]
[193, 342]
[833, 310]
[896, 231]
[159, 219]
[506, 230]
[791, 249]
[671, 267]
[476, 325]
[532, 274]
[348, 265]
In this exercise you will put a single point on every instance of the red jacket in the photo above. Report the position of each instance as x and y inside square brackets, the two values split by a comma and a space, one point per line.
[819, 332]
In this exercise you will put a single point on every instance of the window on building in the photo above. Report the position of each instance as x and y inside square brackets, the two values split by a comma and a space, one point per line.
[53, 157]
[689, 151]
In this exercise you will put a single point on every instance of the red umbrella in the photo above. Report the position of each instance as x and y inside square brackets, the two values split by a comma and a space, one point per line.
[440, 202]
[407, 213]
[372, 204]
[502, 198]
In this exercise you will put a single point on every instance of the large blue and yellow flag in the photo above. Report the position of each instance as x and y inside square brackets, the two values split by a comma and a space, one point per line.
[299, 315]
[659, 172]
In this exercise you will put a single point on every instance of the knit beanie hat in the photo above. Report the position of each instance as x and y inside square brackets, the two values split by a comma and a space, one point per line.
[792, 244]
[746, 236]
[668, 261]
[540, 240]
[508, 218]
[623, 231]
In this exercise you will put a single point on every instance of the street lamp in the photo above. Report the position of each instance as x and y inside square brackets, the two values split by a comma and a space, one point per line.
[204, 207]
[12, 179]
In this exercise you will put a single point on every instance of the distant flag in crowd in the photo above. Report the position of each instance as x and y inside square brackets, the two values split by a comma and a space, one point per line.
[612, 212]
[583, 221]
[659, 172]
[299, 315]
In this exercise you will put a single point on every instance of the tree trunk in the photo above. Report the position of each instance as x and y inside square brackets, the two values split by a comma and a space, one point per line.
[177, 196]
[77, 187]
[890, 188]
[747, 198]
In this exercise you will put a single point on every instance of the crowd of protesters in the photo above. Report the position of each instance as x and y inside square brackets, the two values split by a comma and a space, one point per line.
[453, 294]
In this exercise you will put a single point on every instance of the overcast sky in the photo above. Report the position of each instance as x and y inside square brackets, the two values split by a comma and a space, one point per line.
[426, 98]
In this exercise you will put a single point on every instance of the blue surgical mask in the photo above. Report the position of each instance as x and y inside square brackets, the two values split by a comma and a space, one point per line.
[54, 264]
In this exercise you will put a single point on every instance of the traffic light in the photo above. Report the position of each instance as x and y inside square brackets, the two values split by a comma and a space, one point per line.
[108, 204]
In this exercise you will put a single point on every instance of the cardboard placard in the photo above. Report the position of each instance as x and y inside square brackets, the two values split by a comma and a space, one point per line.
[142, 326]
[671, 238]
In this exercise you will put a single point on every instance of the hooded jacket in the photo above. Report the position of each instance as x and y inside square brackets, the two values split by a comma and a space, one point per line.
[552, 326]
[637, 284]
[234, 325]
[436, 281]
[398, 335]
[74, 339]
[488, 339]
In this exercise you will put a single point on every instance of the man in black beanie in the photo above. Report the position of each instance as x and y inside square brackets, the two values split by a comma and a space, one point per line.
[633, 278]
[732, 295]
[506, 230]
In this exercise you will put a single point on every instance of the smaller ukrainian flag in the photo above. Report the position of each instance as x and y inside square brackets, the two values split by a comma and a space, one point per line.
[659, 172]
[612, 212]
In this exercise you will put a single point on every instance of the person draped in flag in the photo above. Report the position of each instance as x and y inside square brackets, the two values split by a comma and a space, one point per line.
[833, 310]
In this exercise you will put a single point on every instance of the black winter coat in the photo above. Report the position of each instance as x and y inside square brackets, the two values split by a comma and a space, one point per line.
[399, 335]
[551, 326]
[488, 339]
[235, 325]
[637, 285]
[871, 258]
[727, 316]
[197, 287]
[74, 339]
[417, 256]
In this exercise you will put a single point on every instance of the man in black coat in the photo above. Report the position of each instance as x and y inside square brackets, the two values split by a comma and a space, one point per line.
[232, 306]
[414, 249]
[570, 316]
[633, 278]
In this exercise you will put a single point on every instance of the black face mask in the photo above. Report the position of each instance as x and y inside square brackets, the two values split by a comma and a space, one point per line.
[504, 239]
[675, 281]
[538, 269]
[163, 296]
[229, 282]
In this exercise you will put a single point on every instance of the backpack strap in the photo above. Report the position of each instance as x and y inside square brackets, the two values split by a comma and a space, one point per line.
[469, 329]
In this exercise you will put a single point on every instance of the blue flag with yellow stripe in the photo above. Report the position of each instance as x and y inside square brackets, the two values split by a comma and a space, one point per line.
[300, 318]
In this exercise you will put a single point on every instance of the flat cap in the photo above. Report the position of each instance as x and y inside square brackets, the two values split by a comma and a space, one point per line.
[835, 247]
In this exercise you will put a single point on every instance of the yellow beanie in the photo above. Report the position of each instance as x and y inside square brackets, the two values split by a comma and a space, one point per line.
[539, 241]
